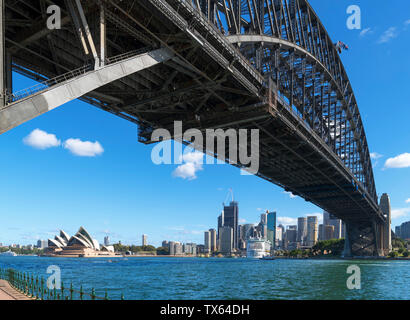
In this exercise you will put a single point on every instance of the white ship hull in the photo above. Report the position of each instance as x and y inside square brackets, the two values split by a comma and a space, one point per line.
[257, 248]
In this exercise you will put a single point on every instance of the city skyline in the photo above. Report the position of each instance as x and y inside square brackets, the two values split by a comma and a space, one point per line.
[62, 187]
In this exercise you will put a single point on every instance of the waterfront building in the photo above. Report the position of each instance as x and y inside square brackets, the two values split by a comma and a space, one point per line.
[106, 240]
[312, 230]
[226, 240]
[397, 231]
[200, 248]
[79, 245]
[302, 231]
[178, 248]
[144, 240]
[42, 244]
[214, 245]
[165, 243]
[403, 231]
[386, 209]
[230, 219]
[171, 245]
[271, 230]
[207, 241]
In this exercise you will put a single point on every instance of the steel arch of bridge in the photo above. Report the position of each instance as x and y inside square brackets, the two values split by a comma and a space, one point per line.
[286, 40]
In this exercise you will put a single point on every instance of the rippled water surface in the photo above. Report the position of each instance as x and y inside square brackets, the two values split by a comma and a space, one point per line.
[224, 278]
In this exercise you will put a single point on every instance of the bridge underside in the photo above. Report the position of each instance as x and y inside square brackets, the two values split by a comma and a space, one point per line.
[209, 83]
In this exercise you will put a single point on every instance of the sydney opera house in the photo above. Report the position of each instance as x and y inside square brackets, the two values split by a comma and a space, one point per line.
[79, 245]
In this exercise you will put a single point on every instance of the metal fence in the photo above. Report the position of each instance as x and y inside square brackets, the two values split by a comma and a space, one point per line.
[36, 288]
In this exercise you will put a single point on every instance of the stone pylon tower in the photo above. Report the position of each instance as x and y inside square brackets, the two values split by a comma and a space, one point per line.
[385, 207]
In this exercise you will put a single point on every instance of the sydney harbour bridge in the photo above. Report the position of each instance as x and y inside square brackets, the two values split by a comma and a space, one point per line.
[255, 64]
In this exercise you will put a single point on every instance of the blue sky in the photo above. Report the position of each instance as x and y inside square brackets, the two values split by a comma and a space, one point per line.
[112, 187]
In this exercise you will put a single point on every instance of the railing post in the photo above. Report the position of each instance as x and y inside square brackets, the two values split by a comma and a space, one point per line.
[71, 291]
[81, 292]
[42, 288]
[92, 294]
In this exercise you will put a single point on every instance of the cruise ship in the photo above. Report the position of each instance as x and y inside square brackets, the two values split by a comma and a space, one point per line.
[257, 248]
[8, 254]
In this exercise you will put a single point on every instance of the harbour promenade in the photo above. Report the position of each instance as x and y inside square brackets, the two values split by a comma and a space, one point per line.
[7, 292]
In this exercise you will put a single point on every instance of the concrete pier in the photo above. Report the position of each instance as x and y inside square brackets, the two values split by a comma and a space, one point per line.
[7, 292]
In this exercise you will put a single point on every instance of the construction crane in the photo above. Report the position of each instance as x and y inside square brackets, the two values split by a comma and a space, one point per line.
[230, 191]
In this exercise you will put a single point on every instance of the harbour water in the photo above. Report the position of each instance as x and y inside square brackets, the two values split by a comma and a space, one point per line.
[223, 278]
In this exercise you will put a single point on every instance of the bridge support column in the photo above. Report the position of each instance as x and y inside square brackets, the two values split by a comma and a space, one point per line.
[360, 240]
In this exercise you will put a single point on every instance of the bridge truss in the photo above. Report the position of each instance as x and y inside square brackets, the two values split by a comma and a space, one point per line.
[265, 64]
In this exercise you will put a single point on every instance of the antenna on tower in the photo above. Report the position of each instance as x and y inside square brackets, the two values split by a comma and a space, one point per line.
[230, 191]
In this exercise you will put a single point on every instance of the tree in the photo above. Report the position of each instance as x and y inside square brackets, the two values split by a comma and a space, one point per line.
[406, 253]
[393, 254]
[163, 251]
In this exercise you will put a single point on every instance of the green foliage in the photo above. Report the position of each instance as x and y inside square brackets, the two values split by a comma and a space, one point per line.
[163, 251]
[22, 250]
[334, 246]
[393, 254]
[118, 247]
[401, 250]
[399, 243]
[406, 254]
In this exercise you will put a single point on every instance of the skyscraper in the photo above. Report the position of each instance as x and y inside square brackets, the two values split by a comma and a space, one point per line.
[331, 220]
[321, 235]
[226, 240]
[207, 241]
[106, 240]
[230, 219]
[220, 224]
[290, 237]
[271, 230]
[329, 232]
[302, 230]
[279, 237]
[213, 244]
[144, 240]
[385, 208]
[312, 230]
[264, 218]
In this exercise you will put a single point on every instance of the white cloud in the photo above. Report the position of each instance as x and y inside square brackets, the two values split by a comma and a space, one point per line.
[389, 34]
[407, 22]
[291, 195]
[366, 31]
[83, 148]
[40, 139]
[242, 221]
[287, 221]
[401, 161]
[193, 163]
[408, 200]
[398, 213]
[375, 155]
